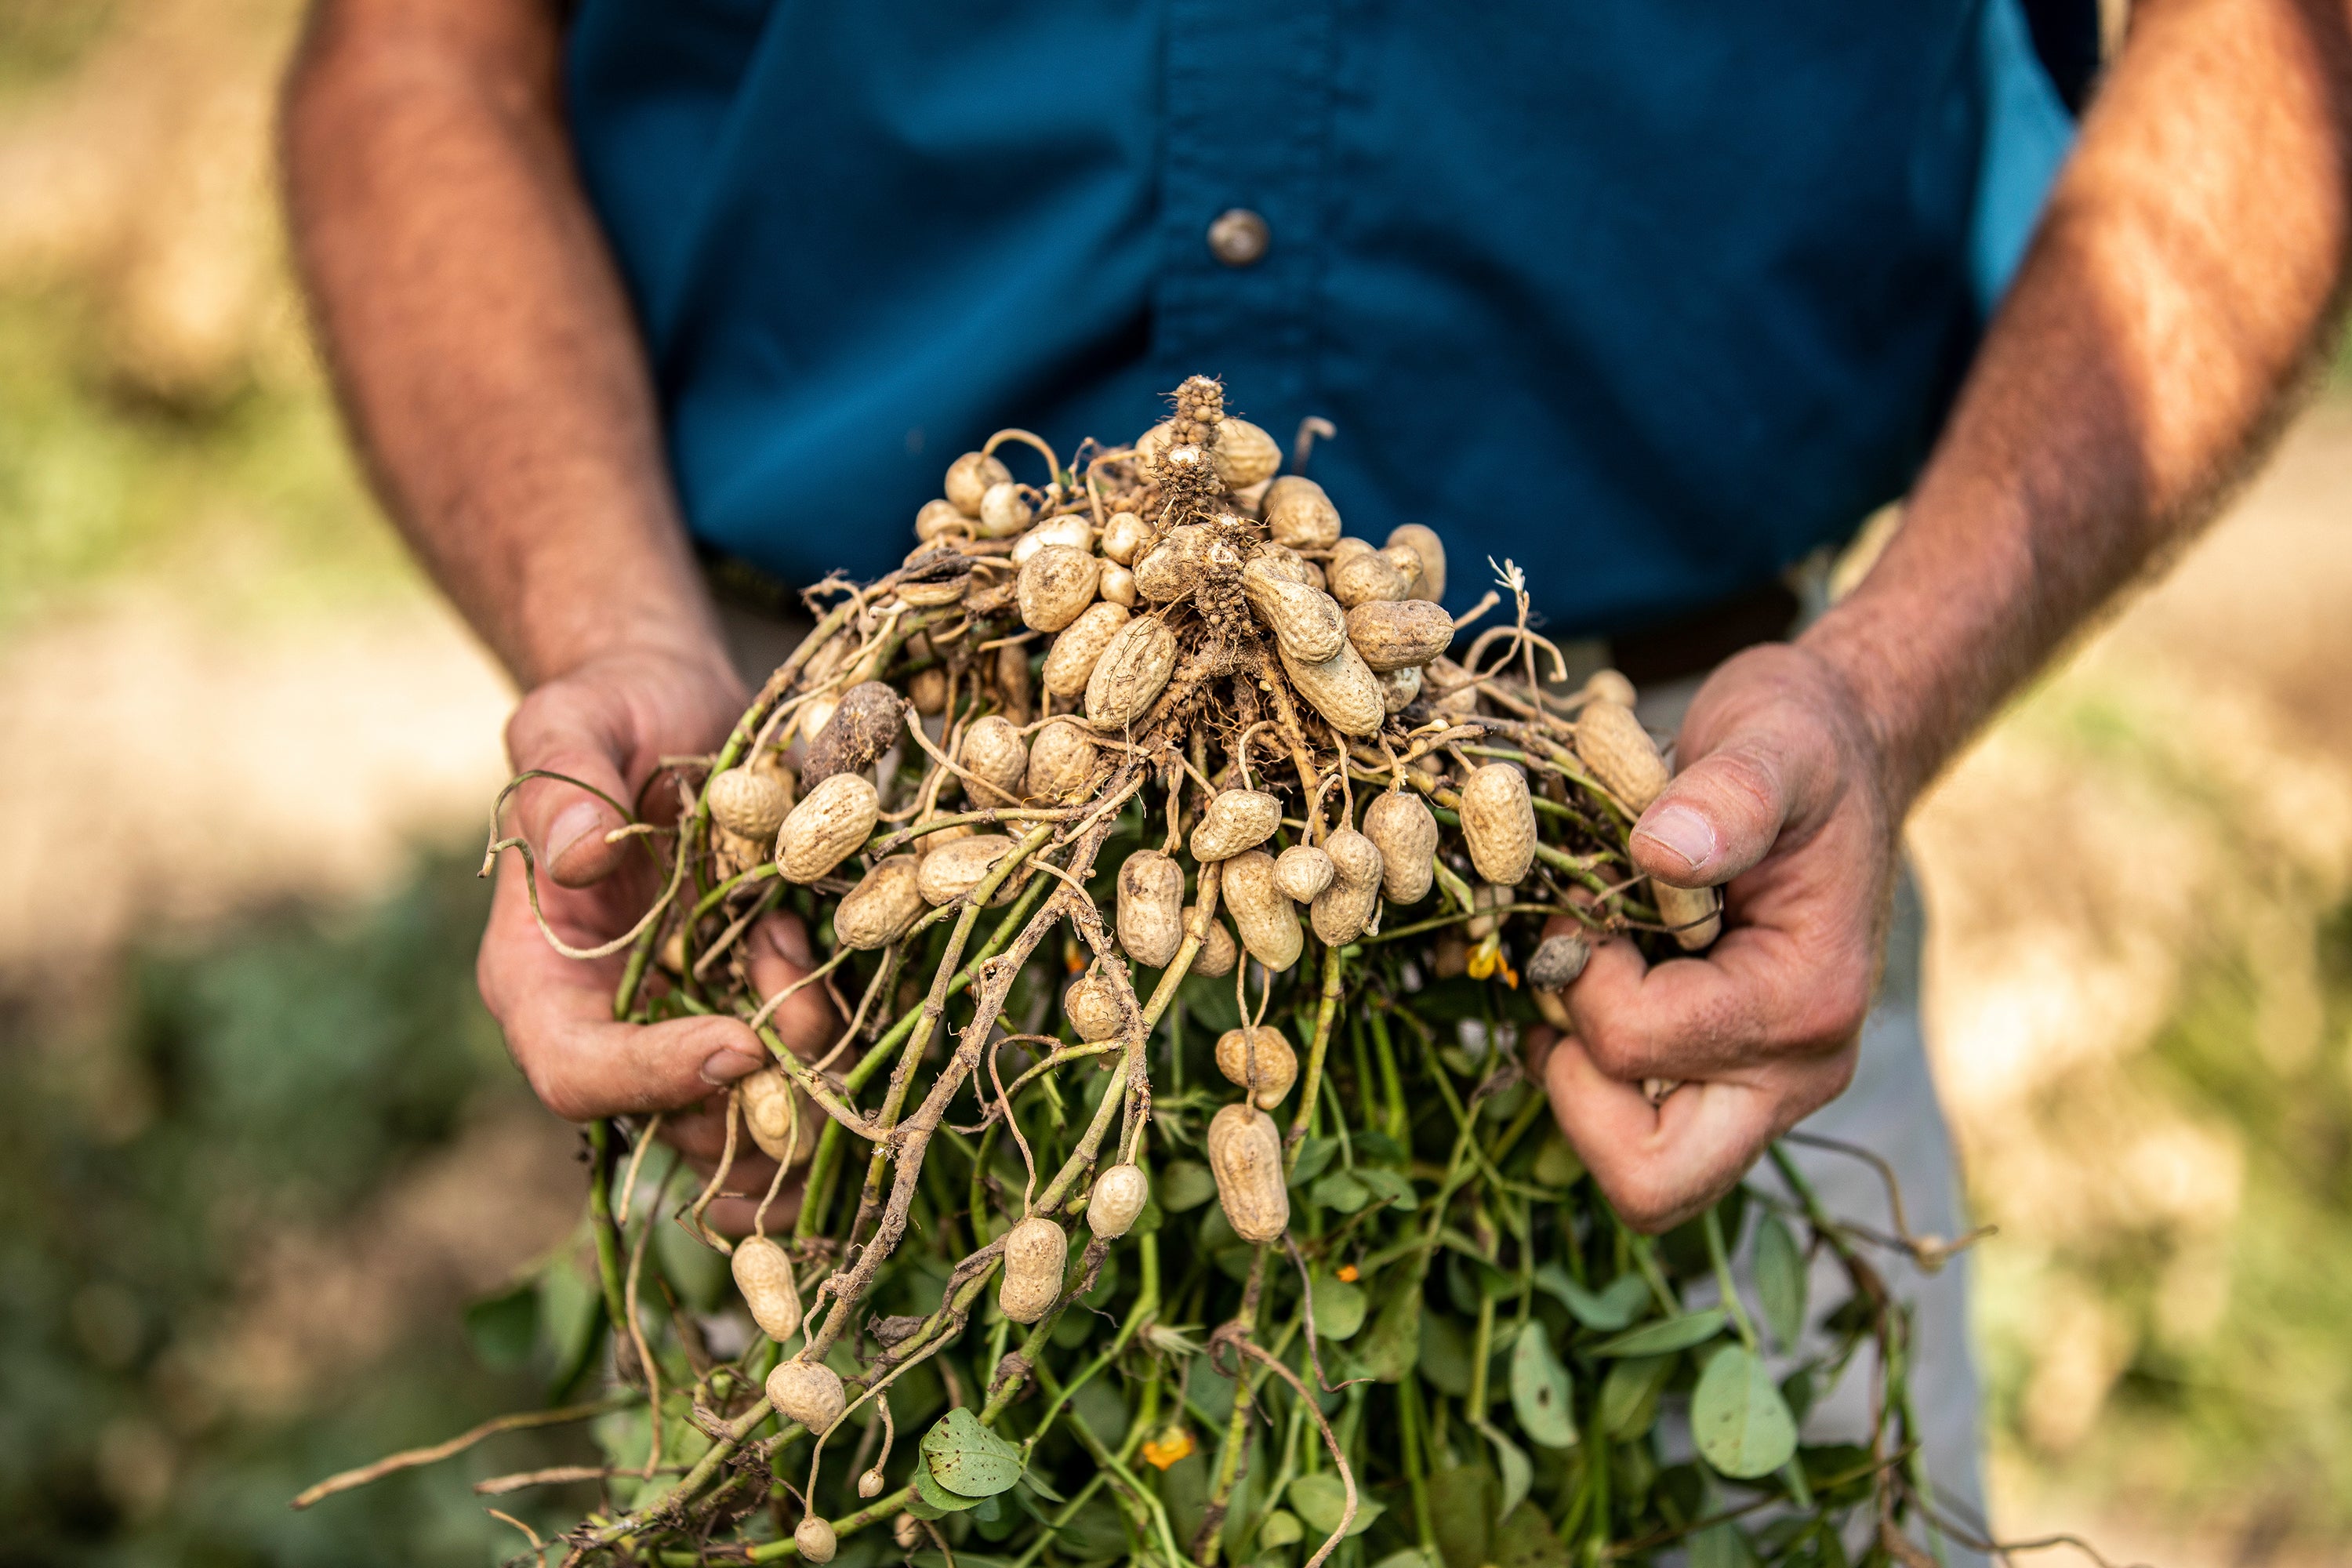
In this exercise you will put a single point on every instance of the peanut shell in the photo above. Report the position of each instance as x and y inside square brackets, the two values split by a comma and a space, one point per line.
[1061, 762]
[1400, 825]
[866, 723]
[1342, 688]
[1218, 952]
[1036, 1251]
[1091, 1007]
[1056, 586]
[1243, 454]
[1118, 586]
[1302, 871]
[1498, 823]
[1281, 561]
[1235, 820]
[808, 1392]
[814, 1539]
[1610, 686]
[1118, 1199]
[1558, 961]
[1424, 542]
[1262, 1051]
[878, 910]
[1398, 635]
[1072, 658]
[1695, 913]
[1267, 922]
[764, 1273]
[954, 869]
[1172, 568]
[994, 754]
[939, 516]
[1299, 515]
[1306, 621]
[1132, 672]
[1150, 908]
[773, 1106]
[1004, 510]
[1124, 537]
[1366, 576]
[1246, 1156]
[1398, 688]
[969, 479]
[746, 803]
[1612, 743]
[928, 690]
[1342, 911]
[827, 826]
[1070, 528]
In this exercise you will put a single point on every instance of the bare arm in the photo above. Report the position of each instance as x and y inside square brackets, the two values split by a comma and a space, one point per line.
[485, 356]
[2190, 262]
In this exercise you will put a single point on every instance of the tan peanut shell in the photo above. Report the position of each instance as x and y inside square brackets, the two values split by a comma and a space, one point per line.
[939, 516]
[878, 910]
[1218, 952]
[1150, 908]
[1610, 686]
[1400, 825]
[1342, 688]
[931, 593]
[1281, 561]
[1695, 913]
[1261, 1051]
[1133, 670]
[1366, 576]
[1558, 961]
[1498, 823]
[1011, 681]
[1267, 922]
[1057, 583]
[763, 1272]
[808, 1392]
[1246, 1156]
[1092, 1009]
[1004, 510]
[1424, 542]
[1124, 537]
[1245, 454]
[954, 869]
[1071, 660]
[969, 479]
[1305, 621]
[1118, 586]
[749, 803]
[1342, 911]
[1036, 1251]
[827, 826]
[1398, 688]
[1612, 743]
[1071, 530]
[1298, 514]
[994, 753]
[773, 1106]
[928, 690]
[1301, 872]
[1118, 1198]
[866, 723]
[814, 1539]
[1235, 820]
[1061, 762]
[1451, 690]
[1172, 568]
[1407, 562]
[1399, 633]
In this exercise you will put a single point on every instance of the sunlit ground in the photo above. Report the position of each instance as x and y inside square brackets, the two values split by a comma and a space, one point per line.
[259, 1146]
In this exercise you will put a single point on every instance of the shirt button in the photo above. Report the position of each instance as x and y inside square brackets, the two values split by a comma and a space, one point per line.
[1238, 237]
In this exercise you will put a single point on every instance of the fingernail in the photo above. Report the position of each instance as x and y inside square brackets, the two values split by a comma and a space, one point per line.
[726, 1067]
[1682, 831]
[570, 826]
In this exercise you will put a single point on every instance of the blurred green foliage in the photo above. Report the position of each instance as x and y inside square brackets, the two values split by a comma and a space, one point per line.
[268, 1082]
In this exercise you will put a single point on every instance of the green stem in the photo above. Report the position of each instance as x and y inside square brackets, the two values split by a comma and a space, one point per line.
[1723, 1280]
[1416, 1480]
[1334, 967]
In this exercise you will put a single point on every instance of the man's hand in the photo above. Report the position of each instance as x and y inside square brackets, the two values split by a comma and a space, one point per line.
[1783, 799]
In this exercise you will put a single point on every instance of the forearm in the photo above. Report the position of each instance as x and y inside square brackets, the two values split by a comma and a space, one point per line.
[481, 342]
[2189, 261]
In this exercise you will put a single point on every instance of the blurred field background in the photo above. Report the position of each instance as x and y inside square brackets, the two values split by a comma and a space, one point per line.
[259, 1147]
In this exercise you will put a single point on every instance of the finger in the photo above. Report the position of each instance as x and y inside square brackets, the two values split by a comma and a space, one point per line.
[1660, 1164]
[1762, 992]
[1719, 815]
[572, 728]
[780, 955]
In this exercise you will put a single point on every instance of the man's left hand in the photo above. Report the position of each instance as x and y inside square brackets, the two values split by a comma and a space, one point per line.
[1783, 801]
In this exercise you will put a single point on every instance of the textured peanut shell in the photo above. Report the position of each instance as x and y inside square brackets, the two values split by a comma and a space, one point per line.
[1424, 543]
[1302, 871]
[878, 910]
[764, 1273]
[969, 479]
[1235, 820]
[1061, 762]
[1365, 576]
[930, 594]
[950, 872]
[1306, 621]
[994, 753]
[773, 1104]
[865, 722]
[1407, 562]
[1036, 1251]
[1696, 913]
[939, 516]
[1281, 561]
[1055, 585]
[1011, 681]
[1124, 537]
[808, 1392]
[1612, 743]
[1071, 530]
[1246, 1156]
[1117, 1201]
[826, 828]
[1558, 961]
[928, 690]
[1133, 670]
[1150, 908]
[1072, 658]
[816, 1540]
[1342, 688]
[1610, 686]
[1245, 454]
[1267, 922]
[1498, 823]
[749, 803]
[1172, 568]
[1004, 512]
[1118, 586]
[1299, 515]
[1401, 826]
[1399, 633]
[1262, 1049]
[1398, 688]
[1091, 1007]
[1218, 952]
[1342, 911]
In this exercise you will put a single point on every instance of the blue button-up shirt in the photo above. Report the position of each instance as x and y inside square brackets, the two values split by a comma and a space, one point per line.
[1654, 297]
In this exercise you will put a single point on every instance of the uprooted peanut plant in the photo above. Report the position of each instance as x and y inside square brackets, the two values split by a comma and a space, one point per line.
[1109, 1229]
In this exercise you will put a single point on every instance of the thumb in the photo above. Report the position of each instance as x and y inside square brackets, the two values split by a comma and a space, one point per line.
[574, 729]
[1719, 816]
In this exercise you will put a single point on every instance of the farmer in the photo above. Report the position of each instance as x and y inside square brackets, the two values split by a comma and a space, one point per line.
[1658, 303]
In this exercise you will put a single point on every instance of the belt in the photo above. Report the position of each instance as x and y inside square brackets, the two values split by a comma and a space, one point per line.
[1696, 643]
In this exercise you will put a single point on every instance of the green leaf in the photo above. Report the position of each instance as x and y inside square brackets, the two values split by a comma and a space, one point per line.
[967, 1458]
[1606, 1310]
[1342, 1192]
[503, 1327]
[1281, 1529]
[1444, 1354]
[1721, 1546]
[1185, 1184]
[1629, 1395]
[1540, 1391]
[929, 1493]
[1741, 1423]
[1392, 1185]
[1411, 1557]
[1518, 1475]
[1339, 1308]
[1314, 1157]
[1780, 1280]
[1393, 1347]
[1462, 1512]
[1319, 1499]
[1666, 1337]
[1525, 1540]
